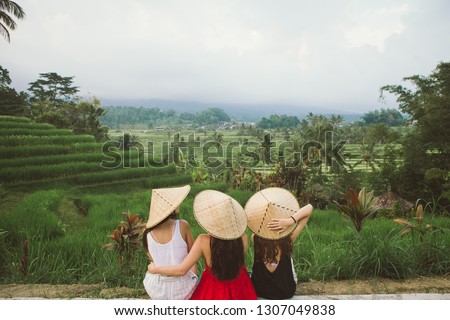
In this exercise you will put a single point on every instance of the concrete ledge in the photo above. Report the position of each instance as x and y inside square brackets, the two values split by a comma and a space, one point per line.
[412, 296]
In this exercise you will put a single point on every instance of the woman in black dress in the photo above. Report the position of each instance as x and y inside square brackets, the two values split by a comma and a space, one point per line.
[276, 220]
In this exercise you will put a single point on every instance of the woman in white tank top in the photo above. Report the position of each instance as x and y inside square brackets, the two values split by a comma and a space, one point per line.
[167, 242]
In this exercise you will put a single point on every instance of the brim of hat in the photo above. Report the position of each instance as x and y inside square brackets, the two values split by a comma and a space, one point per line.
[268, 204]
[220, 215]
[164, 202]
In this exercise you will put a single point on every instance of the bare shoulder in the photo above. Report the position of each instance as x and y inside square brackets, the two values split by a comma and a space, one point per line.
[184, 225]
[185, 231]
[203, 239]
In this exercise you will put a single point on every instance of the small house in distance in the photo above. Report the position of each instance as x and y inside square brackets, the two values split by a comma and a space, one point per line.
[388, 199]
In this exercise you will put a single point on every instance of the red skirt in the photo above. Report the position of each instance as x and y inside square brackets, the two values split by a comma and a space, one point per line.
[210, 288]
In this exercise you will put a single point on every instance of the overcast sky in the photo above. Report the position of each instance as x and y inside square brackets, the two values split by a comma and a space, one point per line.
[325, 53]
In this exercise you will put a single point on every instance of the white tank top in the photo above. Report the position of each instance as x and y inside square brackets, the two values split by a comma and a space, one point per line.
[170, 253]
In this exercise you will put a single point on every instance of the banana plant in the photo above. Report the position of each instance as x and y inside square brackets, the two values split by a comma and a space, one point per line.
[357, 206]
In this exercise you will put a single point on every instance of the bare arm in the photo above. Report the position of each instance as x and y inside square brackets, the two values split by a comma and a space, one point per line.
[148, 253]
[301, 218]
[187, 235]
[245, 242]
[180, 270]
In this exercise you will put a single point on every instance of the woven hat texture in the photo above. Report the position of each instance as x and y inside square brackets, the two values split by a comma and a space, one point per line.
[268, 204]
[164, 202]
[220, 215]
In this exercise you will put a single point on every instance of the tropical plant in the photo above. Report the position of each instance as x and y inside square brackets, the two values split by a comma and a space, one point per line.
[420, 227]
[246, 179]
[8, 8]
[266, 145]
[127, 238]
[199, 174]
[314, 127]
[357, 206]
[84, 118]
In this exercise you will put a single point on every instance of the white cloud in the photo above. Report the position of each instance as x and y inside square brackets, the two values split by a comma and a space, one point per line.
[334, 53]
[375, 26]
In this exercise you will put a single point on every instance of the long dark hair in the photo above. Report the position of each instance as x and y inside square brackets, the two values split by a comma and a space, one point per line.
[173, 215]
[267, 250]
[227, 258]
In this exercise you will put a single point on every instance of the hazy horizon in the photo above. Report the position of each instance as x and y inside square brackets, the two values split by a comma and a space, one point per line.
[332, 55]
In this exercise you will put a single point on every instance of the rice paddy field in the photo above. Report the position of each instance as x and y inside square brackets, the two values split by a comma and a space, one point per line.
[155, 144]
[56, 195]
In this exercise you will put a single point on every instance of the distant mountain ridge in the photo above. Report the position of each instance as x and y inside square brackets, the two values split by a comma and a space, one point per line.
[240, 112]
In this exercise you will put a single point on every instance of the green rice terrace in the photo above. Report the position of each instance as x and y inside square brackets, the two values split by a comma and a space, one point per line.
[61, 197]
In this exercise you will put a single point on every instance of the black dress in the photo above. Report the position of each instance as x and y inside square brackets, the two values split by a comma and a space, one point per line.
[279, 284]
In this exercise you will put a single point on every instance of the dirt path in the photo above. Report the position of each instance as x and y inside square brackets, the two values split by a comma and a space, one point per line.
[100, 291]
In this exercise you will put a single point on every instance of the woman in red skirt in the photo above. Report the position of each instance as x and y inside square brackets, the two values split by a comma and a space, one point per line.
[223, 249]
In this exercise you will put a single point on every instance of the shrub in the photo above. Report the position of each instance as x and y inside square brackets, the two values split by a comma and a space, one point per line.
[127, 238]
[357, 206]
[419, 227]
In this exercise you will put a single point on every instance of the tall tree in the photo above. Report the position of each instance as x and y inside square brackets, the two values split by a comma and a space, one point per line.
[314, 127]
[51, 88]
[53, 100]
[7, 23]
[211, 116]
[427, 147]
[84, 119]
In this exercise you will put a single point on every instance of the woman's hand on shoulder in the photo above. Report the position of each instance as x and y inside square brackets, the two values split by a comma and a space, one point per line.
[151, 268]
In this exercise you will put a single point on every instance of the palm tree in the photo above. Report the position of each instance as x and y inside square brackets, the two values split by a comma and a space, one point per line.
[368, 156]
[8, 8]
[217, 138]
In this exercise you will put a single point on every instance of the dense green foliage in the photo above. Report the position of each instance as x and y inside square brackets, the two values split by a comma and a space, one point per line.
[426, 149]
[53, 100]
[118, 117]
[388, 117]
[278, 121]
[11, 102]
[66, 246]
[211, 116]
[53, 89]
[68, 192]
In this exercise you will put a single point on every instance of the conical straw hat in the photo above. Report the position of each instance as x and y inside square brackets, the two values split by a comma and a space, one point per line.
[164, 202]
[220, 215]
[268, 204]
